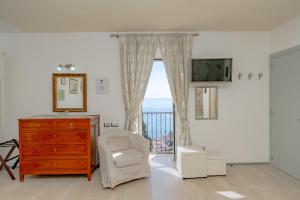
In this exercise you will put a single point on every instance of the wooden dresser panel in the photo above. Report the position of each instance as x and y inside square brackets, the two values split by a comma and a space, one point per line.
[58, 145]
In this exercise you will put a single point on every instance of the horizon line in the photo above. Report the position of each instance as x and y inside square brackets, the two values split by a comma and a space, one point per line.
[157, 98]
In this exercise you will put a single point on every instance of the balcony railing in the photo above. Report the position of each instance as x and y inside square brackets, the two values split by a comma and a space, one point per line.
[158, 127]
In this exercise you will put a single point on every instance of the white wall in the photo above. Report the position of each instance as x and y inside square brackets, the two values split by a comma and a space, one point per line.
[2, 95]
[241, 131]
[6, 27]
[32, 58]
[286, 36]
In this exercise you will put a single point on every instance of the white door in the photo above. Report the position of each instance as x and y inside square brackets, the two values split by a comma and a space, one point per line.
[285, 112]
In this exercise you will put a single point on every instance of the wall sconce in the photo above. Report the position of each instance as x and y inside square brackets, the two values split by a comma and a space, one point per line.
[70, 67]
[250, 75]
[260, 75]
[240, 76]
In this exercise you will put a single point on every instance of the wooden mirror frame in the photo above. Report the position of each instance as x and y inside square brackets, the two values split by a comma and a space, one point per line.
[54, 93]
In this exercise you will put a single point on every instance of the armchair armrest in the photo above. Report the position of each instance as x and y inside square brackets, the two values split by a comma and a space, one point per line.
[105, 154]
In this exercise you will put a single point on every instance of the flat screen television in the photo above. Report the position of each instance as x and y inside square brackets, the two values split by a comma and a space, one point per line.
[208, 70]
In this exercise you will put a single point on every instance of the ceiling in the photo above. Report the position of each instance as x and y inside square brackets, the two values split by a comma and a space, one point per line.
[146, 15]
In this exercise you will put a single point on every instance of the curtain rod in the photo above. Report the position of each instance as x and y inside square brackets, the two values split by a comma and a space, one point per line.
[118, 35]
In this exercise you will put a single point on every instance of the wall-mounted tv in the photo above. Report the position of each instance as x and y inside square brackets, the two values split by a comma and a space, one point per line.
[207, 70]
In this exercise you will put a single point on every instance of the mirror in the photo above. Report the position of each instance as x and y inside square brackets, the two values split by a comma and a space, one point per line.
[69, 93]
[206, 103]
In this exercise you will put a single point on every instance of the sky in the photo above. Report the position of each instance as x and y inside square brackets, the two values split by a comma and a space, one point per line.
[158, 86]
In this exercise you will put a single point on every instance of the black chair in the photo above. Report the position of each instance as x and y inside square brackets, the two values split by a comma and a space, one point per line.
[12, 144]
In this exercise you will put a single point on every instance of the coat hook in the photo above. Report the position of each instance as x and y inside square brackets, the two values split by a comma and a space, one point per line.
[250, 75]
[260, 75]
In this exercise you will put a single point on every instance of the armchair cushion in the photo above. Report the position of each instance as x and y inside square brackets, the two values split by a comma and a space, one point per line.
[118, 143]
[127, 158]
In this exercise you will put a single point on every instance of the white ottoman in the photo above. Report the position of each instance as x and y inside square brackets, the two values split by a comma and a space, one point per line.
[216, 164]
[191, 162]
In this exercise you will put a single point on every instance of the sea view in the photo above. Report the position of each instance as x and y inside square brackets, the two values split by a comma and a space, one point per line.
[157, 105]
[158, 123]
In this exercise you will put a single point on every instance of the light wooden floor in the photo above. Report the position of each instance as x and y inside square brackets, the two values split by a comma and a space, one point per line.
[242, 182]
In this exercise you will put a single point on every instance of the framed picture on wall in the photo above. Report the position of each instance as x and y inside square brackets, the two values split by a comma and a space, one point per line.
[102, 86]
[73, 86]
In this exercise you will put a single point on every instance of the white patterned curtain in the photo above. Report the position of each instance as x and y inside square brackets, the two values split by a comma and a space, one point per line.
[137, 57]
[176, 51]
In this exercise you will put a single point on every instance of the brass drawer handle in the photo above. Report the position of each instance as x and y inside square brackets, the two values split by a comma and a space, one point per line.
[53, 164]
[37, 125]
[54, 150]
[54, 135]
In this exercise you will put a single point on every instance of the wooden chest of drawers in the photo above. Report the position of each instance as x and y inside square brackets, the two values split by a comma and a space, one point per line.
[58, 145]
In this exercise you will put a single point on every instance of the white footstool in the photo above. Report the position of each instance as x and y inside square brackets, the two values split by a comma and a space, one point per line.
[191, 162]
[216, 164]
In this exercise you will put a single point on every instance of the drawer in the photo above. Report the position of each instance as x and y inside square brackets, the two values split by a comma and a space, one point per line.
[54, 150]
[53, 137]
[36, 124]
[71, 124]
[54, 164]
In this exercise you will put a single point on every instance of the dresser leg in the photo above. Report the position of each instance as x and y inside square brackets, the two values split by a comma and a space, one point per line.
[89, 177]
[21, 178]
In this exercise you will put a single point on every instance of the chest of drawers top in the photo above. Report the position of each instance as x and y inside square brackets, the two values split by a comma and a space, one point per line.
[57, 122]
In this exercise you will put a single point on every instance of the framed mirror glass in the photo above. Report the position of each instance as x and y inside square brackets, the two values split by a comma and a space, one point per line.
[206, 103]
[69, 92]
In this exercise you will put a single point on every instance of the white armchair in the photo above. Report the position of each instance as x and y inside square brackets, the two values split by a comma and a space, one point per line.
[123, 157]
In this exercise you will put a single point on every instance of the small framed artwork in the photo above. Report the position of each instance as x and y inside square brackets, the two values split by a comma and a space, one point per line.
[102, 86]
[73, 86]
[63, 81]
